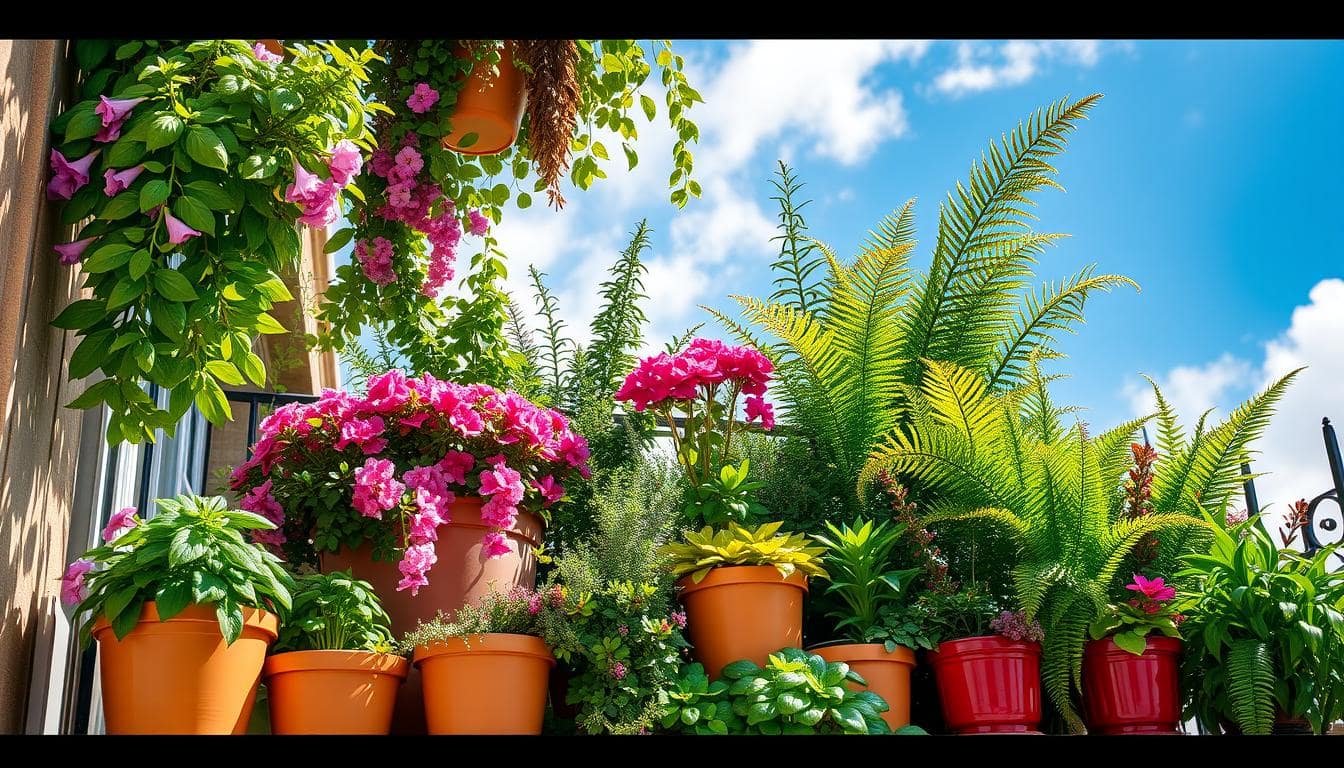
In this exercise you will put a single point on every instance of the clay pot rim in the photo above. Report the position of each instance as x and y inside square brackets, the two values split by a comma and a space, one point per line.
[1158, 645]
[849, 652]
[729, 575]
[195, 613]
[516, 530]
[486, 644]
[983, 643]
[371, 662]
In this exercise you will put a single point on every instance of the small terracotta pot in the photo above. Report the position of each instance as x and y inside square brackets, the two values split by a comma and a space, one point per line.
[742, 612]
[333, 692]
[273, 46]
[989, 684]
[485, 684]
[490, 106]
[1124, 693]
[462, 573]
[886, 672]
[178, 676]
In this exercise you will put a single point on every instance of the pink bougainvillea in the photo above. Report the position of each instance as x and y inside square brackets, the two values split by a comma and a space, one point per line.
[398, 458]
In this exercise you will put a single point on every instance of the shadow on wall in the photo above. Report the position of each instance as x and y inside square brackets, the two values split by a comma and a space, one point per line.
[40, 438]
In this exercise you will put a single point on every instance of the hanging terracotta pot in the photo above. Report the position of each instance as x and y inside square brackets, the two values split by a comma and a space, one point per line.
[485, 684]
[1124, 693]
[886, 672]
[333, 692]
[462, 573]
[490, 106]
[178, 676]
[742, 612]
[274, 46]
[989, 684]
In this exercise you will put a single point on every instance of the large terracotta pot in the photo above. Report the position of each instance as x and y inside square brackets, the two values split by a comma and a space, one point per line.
[333, 692]
[178, 676]
[989, 684]
[886, 672]
[742, 612]
[485, 684]
[1124, 693]
[462, 573]
[490, 106]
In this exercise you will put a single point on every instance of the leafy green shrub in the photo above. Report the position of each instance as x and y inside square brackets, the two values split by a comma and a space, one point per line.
[334, 612]
[871, 592]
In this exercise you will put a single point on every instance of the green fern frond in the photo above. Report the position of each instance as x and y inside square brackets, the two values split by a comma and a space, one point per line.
[551, 360]
[1170, 436]
[796, 263]
[1250, 686]
[617, 325]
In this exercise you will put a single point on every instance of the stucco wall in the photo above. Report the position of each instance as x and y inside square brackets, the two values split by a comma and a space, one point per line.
[39, 438]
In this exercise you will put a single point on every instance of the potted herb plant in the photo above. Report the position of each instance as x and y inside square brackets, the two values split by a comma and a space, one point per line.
[1131, 669]
[1265, 636]
[743, 590]
[333, 672]
[485, 667]
[879, 634]
[183, 609]
[794, 693]
[431, 491]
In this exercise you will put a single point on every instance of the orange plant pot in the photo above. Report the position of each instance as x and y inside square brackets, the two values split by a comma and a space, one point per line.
[333, 692]
[887, 674]
[274, 46]
[742, 612]
[485, 684]
[178, 676]
[462, 573]
[490, 106]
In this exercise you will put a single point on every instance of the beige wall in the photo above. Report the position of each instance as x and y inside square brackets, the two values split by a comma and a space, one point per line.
[38, 437]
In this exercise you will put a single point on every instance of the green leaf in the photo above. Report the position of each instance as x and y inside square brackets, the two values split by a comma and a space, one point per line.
[152, 194]
[163, 130]
[254, 369]
[1133, 641]
[739, 669]
[225, 372]
[230, 620]
[788, 703]
[127, 619]
[119, 207]
[172, 597]
[84, 122]
[850, 719]
[275, 290]
[649, 107]
[524, 201]
[117, 602]
[89, 355]
[140, 263]
[258, 166]
[173, 286]
[124, 292]
[209, 194]
[212, 402]
[196, 214]
[761, 711]
[204, 146]
[80, 315]
[338, 240]
[268, 324]
[108, 258]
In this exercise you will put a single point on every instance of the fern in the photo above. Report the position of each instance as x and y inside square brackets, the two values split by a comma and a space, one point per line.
[1250, 685]
[796, 261]
[616, 326]
[550, 364]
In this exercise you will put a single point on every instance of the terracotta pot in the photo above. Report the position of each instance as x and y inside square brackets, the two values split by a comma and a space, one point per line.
[742, 612]
[989, 684]
[1124, 693]
[333, 692]
[490, 106]
[273, 46]
[461, 575]
[887, 674]
[178, 676]
[485, 684]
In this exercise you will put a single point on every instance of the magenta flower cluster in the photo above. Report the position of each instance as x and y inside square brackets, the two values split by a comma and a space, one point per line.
[416, 446]
[319, 197]
[703, 366]
[1014, 626]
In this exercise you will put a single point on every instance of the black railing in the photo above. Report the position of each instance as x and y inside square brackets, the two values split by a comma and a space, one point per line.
[1331, 523]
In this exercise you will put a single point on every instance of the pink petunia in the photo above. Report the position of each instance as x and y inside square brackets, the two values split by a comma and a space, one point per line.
[69, 177]
[422, 98]
[346, 162]
[495, 545]
[414, 566]
[71, 253]
[264, 55]
[455, 465]
[73, 590]
[479, 223]
[757, 408]
[376, 490]
[550, 490]
[115, 181]
[121, 521]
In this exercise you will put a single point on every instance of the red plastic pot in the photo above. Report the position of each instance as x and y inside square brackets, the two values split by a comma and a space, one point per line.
[1124, 693]
[989, 684]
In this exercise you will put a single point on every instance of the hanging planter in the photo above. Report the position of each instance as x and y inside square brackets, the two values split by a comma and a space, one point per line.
[462, 572]
[989, 684]
[1128, 693]
[490, 106]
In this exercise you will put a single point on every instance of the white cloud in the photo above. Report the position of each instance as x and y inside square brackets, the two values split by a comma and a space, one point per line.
[980, 67]
[1192, 389]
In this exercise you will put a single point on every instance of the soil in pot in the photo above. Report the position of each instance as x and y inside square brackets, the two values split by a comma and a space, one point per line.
[333, 692]
[178, 676]
[989, 684]
[742, 612]
[485, 684]
[886, 672]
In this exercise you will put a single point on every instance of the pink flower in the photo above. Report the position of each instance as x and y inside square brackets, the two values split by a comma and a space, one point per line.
[345, 162]
[376, 489]
[317, 197]
[387, 391]
[363, 433]
[264, 55]
[121, 521]
[495, 545]
[381, 162]
[114, 113]
[71, 253]
[499, 512]
[414, 566]
[479, 223]
[455, 466]
[550, 490]
[1014, 626]
[618, 670]
[623, 629]
[73, 590]
[1154, 589]
[69, 176]
[679, 618]
[534, 604]
[410, 161]
[422, 98]
[260, 501]
[1235, 517]
[115, 181]
[504, 482]
[757, 408]
[178, 231]
[377, 265]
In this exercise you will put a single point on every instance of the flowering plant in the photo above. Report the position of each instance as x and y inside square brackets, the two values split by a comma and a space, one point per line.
[520, 611]
[202, 156]
[387, 468]
[1152, 609]
[192, 551]
[703, 383]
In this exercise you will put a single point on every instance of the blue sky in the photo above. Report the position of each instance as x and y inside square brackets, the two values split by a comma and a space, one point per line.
[1208, 173]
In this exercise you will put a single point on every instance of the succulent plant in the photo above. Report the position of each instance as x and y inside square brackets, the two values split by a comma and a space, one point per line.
[707, 548]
